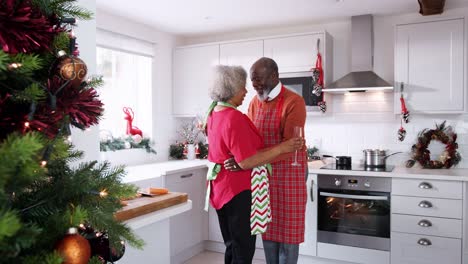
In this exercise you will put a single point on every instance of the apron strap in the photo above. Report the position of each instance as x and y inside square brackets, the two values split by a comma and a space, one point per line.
[213, 171]
[278, 108]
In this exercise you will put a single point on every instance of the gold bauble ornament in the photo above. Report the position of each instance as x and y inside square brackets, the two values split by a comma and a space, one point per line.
[74, 248]
[71, 68]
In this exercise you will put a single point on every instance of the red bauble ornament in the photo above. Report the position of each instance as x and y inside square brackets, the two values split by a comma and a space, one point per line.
[70, 68]
[74, 248]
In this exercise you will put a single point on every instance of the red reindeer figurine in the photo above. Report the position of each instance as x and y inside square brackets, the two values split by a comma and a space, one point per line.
[131, 130]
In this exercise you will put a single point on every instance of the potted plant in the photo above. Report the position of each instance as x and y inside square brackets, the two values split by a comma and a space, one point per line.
[189, 132]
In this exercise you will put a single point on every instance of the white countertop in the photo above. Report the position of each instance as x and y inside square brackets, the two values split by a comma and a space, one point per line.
[154, 170]
[147, 219]
[452, 174]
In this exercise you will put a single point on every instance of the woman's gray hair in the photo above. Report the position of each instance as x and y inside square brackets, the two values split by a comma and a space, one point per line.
[228, 80]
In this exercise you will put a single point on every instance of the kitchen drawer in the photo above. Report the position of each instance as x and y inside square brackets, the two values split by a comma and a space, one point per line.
[181, 177]
[443, 227]
[436, 207]
[405, 249]
[427, 188]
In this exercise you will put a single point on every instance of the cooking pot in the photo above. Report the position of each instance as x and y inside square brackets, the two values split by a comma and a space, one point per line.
[376, 157]
[343, 161]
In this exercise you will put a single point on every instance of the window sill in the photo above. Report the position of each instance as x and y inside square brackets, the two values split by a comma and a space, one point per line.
[128, 157]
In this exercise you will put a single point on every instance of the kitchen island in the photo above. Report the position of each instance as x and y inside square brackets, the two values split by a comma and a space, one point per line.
[184, 234]
[153, 228]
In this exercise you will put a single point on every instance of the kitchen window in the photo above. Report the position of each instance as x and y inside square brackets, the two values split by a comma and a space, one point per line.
[126, 66]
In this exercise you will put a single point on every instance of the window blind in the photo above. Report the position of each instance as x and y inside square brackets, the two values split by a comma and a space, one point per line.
[117, 41]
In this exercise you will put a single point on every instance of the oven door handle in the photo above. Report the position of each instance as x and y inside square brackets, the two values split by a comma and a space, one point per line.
[360, 197]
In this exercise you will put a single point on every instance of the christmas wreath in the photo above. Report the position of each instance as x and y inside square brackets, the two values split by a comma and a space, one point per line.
[448, 157]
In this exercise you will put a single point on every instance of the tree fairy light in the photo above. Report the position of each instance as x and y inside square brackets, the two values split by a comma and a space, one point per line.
[14, 66]
[103, 193]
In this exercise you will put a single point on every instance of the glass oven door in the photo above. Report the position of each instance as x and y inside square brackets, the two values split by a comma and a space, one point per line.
[354, 218]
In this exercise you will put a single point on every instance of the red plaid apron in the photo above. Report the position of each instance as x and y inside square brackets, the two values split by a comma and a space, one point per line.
[288, 194]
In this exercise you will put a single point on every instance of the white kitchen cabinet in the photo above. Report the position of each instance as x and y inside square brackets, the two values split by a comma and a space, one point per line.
[188, 230]
[192, 67]
[299, 52]
[214, 232]
[425, 229]
[430, 62]
[309, 247]
[192, 76]
[408, 249]
[243, 54]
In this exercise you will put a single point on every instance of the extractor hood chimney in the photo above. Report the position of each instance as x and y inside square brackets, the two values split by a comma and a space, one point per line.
[361, 78]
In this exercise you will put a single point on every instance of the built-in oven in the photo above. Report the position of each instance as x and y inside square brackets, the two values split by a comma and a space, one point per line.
[354, 211]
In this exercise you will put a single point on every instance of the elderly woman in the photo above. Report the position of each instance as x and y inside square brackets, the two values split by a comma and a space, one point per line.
[232, 134]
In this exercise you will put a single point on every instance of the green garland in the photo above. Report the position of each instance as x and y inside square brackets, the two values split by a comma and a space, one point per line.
[126, 143]
[421, 154]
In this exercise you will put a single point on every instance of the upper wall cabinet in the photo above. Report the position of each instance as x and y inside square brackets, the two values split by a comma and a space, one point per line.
[429, 62]
[299, 53]
[242, 54]
[192, 68]
[192, 75]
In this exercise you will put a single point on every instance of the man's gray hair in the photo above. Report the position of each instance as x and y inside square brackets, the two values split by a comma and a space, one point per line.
[228, 80]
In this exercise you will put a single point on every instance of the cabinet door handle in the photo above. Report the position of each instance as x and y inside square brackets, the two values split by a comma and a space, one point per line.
[424, 242]
[425, 223]
[425, 204]
[311, 190]
[425, 185]
[186, 175]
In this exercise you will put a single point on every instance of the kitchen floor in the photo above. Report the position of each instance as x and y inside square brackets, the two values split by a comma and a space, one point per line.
[210, 257]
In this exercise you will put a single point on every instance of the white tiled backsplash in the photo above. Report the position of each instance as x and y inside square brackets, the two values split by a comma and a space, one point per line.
[357, 121]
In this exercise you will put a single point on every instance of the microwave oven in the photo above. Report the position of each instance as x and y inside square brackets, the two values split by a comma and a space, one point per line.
[303, 84]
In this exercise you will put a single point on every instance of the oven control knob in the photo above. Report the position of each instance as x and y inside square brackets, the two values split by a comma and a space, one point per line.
[367, 184]
[337, 182]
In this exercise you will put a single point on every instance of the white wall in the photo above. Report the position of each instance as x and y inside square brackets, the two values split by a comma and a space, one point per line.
[87, 141]
[163, 126]
[358, 121]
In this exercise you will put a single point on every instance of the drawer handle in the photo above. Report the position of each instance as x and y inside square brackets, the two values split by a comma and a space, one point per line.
[186, 175]
[425, 185]
[311, 190]
[425, 204]
[424, 242]
[425, 223]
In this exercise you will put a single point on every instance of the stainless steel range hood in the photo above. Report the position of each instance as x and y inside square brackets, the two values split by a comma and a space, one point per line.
[362, 78]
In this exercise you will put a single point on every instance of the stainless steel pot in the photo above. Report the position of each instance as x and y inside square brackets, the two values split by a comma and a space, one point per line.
[376, 157]
[344, 161]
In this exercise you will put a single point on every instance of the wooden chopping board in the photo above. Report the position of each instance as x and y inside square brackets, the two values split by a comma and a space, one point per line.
[145, 205]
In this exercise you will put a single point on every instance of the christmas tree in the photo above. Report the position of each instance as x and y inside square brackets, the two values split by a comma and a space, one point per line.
[44, 91]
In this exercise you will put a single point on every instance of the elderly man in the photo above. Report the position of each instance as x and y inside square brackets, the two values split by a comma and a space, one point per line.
[275, 111]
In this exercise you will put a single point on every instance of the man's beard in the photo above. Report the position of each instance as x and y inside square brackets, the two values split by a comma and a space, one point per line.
[264, 96]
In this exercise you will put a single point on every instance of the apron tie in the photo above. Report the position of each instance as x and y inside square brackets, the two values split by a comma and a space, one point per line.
[213, 171]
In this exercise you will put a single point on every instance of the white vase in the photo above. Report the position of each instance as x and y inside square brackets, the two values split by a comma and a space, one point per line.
[191, 151]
